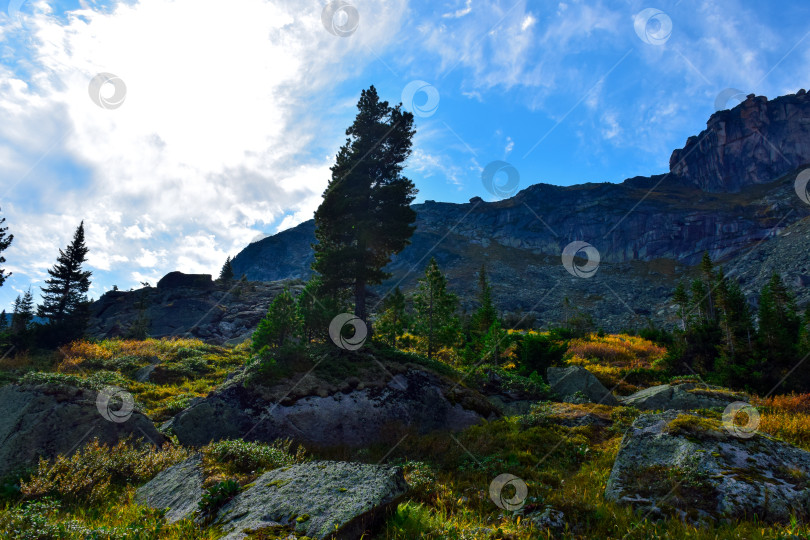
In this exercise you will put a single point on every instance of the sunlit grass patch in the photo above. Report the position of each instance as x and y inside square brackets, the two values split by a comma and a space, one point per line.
[174, 371]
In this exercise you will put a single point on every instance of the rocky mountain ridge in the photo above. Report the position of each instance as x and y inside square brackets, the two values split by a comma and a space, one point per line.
[731, 192]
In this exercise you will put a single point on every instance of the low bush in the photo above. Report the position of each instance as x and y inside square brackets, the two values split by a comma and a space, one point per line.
[94, 473]
[239, 458]
[216, 496]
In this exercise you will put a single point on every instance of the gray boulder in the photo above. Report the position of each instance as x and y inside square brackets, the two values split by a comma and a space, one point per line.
[682, 397]
[414, 400]
[575, 384]
[683, 464]
[45, 420]
[319, 499]
[178, 489]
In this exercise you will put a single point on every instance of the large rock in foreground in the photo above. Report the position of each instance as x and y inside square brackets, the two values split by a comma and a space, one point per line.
[178, 489]
[575, 384]
[684, 464]
[45, 420]
[682, 397]
[319, 499]
[358, 414]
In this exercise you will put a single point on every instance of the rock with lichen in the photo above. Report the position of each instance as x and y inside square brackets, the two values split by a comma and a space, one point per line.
[177, 489]
[677, 463]
[320, 499]
[682, 397]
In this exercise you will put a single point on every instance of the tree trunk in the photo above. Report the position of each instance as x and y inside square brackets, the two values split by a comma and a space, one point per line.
[360, 299]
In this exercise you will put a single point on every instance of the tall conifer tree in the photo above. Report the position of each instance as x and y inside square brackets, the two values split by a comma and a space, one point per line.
[365, 216]
[436, 321]
[5, 242]
[65, 295]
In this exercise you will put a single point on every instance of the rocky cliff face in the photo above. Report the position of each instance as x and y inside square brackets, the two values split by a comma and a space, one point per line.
[753, 143]
[649, 233]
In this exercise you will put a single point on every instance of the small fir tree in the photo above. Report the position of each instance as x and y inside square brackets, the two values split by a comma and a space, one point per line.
[436, 319]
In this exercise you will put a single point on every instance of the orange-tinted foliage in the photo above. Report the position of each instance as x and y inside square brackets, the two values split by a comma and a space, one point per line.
[618, 350]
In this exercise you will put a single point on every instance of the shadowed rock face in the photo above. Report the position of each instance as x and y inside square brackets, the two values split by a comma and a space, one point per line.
[414, 400]
[693, 467]
[753, 143]
[47, 420]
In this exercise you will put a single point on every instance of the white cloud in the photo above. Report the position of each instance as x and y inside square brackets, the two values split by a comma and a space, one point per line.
[221, 134]
[460, 12]
[610, 125]
[510, 145]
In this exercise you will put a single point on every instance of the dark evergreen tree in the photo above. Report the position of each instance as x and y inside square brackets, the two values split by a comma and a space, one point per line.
[65, 293]
[316, 310]
[280, 325]
[779, 333]
[5, 242]
[23, 313]
[226, 273]
[365, 216]
[492, 343]
[699, 307]
[3, 321]
[436, 321]
[736, 362]
[707, 269]
[486, 314]
[394, 319]
[482, 323]
[681, 299]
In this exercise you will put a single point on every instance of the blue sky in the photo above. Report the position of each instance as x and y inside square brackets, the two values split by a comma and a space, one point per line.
[232, 112]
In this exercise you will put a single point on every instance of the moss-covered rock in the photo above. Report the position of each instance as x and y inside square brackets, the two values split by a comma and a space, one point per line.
[684, 464]
[319, 499]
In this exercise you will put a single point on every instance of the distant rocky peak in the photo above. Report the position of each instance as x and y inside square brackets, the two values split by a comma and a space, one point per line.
[754, 143]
